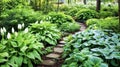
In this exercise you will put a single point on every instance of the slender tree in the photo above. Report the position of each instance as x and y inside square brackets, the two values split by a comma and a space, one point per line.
[58, 5]
[98, 5]
[85, 1]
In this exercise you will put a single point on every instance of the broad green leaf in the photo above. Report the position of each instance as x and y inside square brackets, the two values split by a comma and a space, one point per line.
[36, 55]
[31, 55]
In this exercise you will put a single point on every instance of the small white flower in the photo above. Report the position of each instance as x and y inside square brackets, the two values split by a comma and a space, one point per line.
[19, 26]
[8, 35]
[2, 32]
[4, 29]
[26, 30]
[36, 22]
[16, 34]
[13, 30]
[23, 25]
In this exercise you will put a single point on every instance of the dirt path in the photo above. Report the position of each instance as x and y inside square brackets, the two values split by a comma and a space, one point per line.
[55, 59]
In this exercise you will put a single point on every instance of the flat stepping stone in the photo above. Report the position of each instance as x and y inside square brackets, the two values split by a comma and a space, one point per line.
[60, 45]
[62, 42]
[48, 62]
[53, 55]
[58, 50]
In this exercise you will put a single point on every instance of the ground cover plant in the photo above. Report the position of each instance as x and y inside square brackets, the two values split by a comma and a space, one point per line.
[92, 48]
[11, 18]
[19, 49]
[85, 14]
[110, 23]
[46, 32]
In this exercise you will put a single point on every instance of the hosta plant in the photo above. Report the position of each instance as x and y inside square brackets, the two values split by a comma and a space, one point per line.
[59, 18]
[85, 14]
[20, 49]
[46, 32]
[92, 48]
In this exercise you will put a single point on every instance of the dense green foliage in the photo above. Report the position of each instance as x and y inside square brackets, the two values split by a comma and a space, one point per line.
[46, 32]
[92, 48]
[70, 27]
[11, 18]
[19, 49]
[85, 14]
[59, 18]
[110, 23]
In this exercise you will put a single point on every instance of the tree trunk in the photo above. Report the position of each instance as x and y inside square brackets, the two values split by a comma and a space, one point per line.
[68, 1]
[119, 11]
[58, 6]
[85, 2]
[98, 5]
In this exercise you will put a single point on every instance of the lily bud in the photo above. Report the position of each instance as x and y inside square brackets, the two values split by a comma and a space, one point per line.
[13, 30]
[26, 30]
[2, 32]
[4, 29]
[8, 35]
[19, 26]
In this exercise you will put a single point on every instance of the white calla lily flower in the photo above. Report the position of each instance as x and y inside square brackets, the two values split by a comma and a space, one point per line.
[8, 35]
[26, 30]
[13, 30]
[19, 26]
[4, 29]
[2, 32]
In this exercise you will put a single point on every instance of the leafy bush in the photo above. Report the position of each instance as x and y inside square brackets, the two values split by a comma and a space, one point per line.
[59, 18]
[11, 18]
[19, 49]
[46, 32]
[85, 14]
[104, 14]
[110, 10]
[72, 12]
[110, 23]
[70, 27]
[92, 48]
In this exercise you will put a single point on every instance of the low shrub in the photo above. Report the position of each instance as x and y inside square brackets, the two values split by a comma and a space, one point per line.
[70, 27]
[85, 14]
[110, 23]
[11, 18]
[72, 12]
[46, 32]
[59, 18]
[104, 14]
[20, 49]
[92, 48]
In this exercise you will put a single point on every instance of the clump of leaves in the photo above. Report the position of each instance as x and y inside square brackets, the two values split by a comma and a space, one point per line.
[59, 18]
[11, 18]
[20, 49]
[85, 14]
[110, 23]
[70, 27]
[92, 48]
[46, 32]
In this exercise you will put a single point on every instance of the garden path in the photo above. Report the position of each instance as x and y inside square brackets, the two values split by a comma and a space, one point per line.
[55, 59]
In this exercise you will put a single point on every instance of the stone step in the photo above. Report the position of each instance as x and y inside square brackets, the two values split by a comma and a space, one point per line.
[60, 45]
[62, 42]
[58, 50]
[48, 62]
[53, 55]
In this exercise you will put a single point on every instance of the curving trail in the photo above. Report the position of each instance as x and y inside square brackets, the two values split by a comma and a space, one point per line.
[55, 59]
